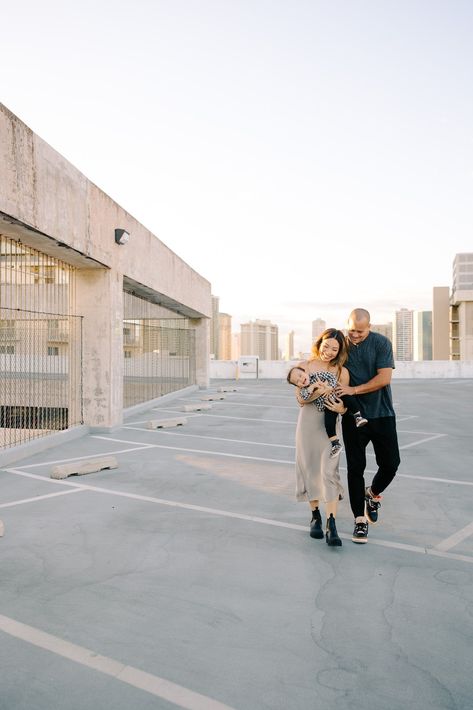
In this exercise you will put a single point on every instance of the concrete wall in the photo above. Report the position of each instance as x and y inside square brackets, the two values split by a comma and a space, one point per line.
[48, 204]
[277, 369]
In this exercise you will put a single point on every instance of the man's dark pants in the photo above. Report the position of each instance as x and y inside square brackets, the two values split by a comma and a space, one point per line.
[382, 433]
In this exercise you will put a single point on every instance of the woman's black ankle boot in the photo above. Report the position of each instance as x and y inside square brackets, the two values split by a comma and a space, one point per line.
[331, 536]
[316, 525]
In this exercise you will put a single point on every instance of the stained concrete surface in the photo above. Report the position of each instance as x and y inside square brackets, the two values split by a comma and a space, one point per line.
[192, 562]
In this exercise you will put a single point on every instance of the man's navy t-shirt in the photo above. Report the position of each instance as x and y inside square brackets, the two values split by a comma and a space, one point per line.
[364, 361]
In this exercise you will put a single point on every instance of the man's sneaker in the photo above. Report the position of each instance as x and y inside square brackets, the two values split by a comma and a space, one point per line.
[360, 533]
[372, 503]
[360, 421]
[336, 448]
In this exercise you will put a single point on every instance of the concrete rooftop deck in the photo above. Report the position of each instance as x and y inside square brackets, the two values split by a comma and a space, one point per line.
[187, 578]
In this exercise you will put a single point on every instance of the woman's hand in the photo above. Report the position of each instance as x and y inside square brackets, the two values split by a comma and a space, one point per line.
[335, 404]
[324, 389]
[317, 391]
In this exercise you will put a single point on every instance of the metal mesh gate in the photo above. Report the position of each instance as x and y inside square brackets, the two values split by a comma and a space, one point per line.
[40, 345]
[159, 351]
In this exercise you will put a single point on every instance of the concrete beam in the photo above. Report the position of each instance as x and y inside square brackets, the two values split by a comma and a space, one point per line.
[79, 468]
[211, 397]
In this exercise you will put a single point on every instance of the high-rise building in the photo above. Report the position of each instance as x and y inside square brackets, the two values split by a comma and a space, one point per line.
[461, 315]
[422, 339]
[440, 323]
[318, 327]
[385, 329]
[225, 336]
[214, 328]
[289, 346]
[403, 334]
[260, 337]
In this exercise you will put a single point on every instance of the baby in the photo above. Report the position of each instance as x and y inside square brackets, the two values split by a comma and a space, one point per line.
[298, 375]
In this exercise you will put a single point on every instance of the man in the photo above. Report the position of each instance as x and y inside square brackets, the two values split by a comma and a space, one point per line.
[370, 364]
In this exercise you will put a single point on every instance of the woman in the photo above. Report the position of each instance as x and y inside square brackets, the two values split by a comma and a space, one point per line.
[317, 476]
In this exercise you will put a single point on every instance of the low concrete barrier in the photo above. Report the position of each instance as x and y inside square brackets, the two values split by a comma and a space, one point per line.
[196, 407]
[80, 468]
[165, 423]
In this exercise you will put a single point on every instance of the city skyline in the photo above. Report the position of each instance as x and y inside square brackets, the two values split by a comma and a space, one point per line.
[305, 159]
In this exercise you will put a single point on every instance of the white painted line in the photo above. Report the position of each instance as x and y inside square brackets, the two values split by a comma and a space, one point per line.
[266, 406]
[214, 438]
[455, 539]
[432, 478]
[405, 417]
[416, 431]
[249, 518]
[91, 456]
[291, 463]
[421, 441]
[38, 477]
[36, 498]
[207, 452]
[249, 419]
[152, 684]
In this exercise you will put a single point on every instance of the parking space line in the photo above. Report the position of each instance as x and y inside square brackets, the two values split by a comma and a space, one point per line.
[248, 404]
[421, 441]
[249, 518]
[91, 456]
[36, 498]
[213, 438]
[152, 684]
[432, 478]
[207, 452]
[249, 419]
[455, 539]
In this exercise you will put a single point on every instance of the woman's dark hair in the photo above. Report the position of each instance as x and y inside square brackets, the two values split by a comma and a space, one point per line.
[342, 355]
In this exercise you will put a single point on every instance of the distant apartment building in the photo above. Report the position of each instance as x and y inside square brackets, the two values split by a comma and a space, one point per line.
[289, 346]
[260, 337]
[385, 329]
[214, 328]
[318, 327]
[225, 336]
[422, 336]
[461, 312]
[403, 343]
[441, 323]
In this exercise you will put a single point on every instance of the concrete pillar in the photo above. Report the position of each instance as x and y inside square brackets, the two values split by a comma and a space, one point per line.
[99, 298]
[202, 350]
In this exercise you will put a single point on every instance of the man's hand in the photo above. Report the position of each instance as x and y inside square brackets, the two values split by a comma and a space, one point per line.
[340, 390]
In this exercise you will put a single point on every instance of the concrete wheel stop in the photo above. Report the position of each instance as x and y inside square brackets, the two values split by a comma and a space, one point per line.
[165, 423]
[80, 468]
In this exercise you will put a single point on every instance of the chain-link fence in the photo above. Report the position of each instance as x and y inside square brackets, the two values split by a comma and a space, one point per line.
[40, 345]
[159, 351]
[40, 380]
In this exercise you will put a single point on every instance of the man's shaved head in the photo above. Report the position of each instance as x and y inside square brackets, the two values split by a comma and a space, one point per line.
[358, 314]
[358, 325]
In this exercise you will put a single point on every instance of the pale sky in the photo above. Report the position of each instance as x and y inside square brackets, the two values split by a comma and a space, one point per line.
[304, 156]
